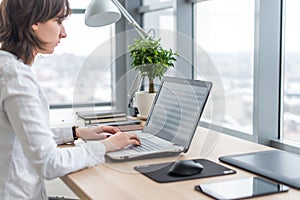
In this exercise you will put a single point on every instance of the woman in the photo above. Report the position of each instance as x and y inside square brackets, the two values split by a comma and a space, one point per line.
[28, 147]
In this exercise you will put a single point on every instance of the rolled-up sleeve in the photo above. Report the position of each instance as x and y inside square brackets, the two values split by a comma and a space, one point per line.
[62, 134]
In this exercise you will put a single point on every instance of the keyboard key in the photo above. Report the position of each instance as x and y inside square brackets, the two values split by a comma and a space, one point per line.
[146, 145]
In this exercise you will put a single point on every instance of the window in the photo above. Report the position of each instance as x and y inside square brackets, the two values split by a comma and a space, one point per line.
[291, 75]
[163, 23]
[83, 56]
[163, 19]
[147, 2]
[225, 31]
[160, 23]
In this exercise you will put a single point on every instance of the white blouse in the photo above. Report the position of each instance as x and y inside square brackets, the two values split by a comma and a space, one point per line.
[28, 146]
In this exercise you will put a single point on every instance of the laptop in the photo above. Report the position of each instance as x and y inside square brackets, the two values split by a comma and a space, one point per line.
[172, 121]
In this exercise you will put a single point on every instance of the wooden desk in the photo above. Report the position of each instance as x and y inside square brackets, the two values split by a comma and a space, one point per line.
[118, 180]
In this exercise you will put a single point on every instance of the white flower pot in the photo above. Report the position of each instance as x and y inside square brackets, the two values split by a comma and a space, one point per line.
[144, 102]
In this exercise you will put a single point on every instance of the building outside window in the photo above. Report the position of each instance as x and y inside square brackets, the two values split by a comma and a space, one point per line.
[225, 31]
[291, 72]
[58, 73]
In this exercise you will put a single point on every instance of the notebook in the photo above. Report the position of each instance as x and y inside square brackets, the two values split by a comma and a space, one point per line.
[172, 121]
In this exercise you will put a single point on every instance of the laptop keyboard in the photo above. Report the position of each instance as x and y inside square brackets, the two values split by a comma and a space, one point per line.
[146, 145]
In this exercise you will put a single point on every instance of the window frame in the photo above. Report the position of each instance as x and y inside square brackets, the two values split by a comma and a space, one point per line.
[268, 60]
[266, 96]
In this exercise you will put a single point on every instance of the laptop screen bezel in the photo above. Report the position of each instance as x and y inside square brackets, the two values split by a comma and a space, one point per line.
[198, 83]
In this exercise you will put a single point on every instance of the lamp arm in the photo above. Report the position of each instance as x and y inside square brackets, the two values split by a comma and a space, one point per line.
[130, 19]
[135, 85]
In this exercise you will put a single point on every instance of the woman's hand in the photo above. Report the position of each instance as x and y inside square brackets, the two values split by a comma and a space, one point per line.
[96, 132]
[110, 129]
[120, 140]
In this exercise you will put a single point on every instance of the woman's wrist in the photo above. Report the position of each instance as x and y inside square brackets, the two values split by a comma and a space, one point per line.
[107, 145]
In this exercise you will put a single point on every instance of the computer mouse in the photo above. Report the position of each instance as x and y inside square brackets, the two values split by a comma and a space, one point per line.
[185, 168]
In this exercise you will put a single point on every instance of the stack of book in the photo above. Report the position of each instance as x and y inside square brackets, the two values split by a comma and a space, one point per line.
[102, 117]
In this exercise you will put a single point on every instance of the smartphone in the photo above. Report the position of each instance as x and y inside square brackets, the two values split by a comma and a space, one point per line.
[241, 188]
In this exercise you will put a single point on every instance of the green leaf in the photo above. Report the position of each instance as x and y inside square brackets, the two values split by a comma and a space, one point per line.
[150, 59]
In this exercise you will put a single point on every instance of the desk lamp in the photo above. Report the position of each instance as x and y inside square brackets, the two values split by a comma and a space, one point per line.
[104, 12]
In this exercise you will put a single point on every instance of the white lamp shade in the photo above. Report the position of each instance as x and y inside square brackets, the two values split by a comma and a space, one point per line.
[101, 13]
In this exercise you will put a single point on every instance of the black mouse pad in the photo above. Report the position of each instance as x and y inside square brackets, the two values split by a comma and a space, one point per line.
[160, 172]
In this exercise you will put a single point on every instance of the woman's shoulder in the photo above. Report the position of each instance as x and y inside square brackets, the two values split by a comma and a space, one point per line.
[13, 69]
[9, 64]
[7, 56]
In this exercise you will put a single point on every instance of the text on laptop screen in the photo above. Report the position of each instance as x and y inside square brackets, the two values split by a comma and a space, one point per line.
[177, 110]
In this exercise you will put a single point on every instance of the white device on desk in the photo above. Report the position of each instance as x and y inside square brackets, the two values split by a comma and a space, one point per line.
[172, 121]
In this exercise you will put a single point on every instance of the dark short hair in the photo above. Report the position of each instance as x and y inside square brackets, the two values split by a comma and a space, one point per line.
[17, 18]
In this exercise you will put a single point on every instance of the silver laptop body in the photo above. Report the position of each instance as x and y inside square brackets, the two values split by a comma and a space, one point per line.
[172, 121]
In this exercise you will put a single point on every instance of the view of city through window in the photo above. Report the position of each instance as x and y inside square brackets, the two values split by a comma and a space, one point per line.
[59, 72]
[291, 77]
[225, 31]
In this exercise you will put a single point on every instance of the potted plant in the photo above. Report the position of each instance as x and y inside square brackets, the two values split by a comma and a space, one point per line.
[150, 59]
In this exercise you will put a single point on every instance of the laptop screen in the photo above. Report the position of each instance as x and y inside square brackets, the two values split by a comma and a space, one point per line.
[177, 108]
